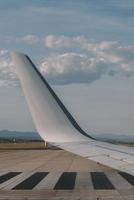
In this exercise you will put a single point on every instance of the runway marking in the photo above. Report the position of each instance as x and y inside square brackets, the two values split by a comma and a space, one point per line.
[83, 180]
[49, 181]
[100, 181]
[118, 181]
[8, 176]
[8, 185]
[31, 182]
[66, 181]
[128, 177]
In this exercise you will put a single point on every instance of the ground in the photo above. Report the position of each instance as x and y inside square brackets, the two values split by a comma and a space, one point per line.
[39, 174]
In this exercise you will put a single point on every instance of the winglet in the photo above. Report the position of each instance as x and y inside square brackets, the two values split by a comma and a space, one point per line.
[52, 120]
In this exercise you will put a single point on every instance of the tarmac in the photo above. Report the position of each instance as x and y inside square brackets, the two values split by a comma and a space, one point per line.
[57, 175]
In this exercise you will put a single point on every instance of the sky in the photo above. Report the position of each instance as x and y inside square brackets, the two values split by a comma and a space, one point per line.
[84, 48]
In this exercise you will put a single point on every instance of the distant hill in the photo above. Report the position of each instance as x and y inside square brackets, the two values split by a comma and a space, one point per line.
[18, 135]
[115, 138]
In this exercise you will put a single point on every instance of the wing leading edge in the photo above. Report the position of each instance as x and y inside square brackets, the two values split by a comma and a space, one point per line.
[56, 125]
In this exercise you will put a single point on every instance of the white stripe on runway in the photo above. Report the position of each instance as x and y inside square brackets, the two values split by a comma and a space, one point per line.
[83, 180]
[118, 181]
[3, 172]
[8, 185]
[49, 181]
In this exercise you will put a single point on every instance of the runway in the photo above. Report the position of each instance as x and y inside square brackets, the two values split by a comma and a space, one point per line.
[57, 174]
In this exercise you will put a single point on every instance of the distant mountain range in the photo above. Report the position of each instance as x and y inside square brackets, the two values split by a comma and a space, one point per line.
[18, 135]
[115, 138]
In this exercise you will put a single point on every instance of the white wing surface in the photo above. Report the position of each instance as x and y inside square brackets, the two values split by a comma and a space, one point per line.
[56, 125]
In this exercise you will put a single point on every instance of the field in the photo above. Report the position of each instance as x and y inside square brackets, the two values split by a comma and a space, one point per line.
[30, 145]
[25, 145]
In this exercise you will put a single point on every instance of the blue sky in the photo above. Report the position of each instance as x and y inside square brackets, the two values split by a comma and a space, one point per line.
[85, 50]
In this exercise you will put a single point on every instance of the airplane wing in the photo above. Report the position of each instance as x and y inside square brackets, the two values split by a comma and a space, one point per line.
[56, 125]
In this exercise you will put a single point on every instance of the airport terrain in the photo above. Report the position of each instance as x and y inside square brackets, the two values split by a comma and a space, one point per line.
[29, 171]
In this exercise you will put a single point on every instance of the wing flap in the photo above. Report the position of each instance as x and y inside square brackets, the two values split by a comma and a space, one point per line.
[115, 156]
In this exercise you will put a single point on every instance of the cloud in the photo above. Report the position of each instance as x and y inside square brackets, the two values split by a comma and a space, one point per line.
[105, 57]
[52, 41]
[110, 51]
[7, 72]
[72, 68]
[28, 39]
[56, 42]
[64, 65]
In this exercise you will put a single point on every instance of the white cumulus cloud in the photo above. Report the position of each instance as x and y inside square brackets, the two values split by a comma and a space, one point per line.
[28, 39]
[73, 68]
[115, 58]
[7, 72]
[64, 65]
[52, 41]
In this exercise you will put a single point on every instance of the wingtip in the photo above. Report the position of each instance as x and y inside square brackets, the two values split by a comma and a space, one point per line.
[17, 54]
